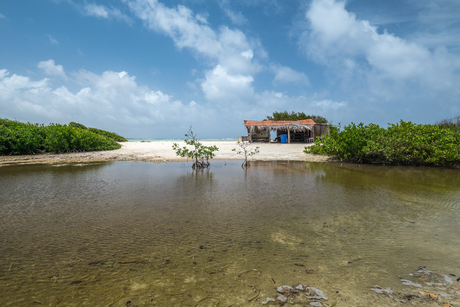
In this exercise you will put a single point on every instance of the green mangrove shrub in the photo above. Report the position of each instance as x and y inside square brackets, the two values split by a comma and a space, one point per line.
[110, 135]
[77, 125]
[107, 134]
[26, 138]
[198, 152]
[243, 149]
[401, 143]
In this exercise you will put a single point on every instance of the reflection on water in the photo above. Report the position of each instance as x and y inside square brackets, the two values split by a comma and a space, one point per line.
[142, 234]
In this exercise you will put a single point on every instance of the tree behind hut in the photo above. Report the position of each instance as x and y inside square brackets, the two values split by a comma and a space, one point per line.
[296, 116]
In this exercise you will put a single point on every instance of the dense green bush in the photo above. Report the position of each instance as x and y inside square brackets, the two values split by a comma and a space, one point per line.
[402, 143]
[110, 135]
[17, 137]
[27, 138]
[77, 125]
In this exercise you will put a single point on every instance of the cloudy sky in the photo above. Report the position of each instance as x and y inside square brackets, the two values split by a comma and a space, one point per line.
[152, 68]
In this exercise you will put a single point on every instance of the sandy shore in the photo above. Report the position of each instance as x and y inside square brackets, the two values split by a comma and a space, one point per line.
[161, 151]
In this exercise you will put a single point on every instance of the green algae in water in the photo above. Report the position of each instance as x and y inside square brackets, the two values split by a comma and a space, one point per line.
[145, 234]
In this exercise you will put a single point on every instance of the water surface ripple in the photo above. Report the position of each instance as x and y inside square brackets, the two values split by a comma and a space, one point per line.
[143, 234]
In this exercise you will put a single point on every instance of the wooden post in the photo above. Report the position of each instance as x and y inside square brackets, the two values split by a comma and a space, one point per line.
[268, 135]
[289, 136]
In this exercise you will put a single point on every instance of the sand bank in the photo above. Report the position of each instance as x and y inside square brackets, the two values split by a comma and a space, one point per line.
[161, 151]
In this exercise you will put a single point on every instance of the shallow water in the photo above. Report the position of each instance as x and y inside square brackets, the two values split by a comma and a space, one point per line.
[143, 234]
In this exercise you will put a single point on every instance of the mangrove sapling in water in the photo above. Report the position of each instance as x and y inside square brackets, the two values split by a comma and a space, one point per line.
[247, 152]
[202, 154]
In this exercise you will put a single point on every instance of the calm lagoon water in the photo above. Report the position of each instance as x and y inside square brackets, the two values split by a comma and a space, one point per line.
[144, 234]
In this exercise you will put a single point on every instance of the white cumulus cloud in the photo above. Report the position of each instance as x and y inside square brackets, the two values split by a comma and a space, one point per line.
[51, 69]
[248, 54]
[228, 47]
[284, 74]
[221, 87]
[111, 100]
[337, 35]
[378, 71]
[233, 56]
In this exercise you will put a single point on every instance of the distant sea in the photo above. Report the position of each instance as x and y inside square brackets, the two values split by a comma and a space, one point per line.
[178, 140]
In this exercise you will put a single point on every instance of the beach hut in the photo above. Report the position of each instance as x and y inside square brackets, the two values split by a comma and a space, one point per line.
[305, 130]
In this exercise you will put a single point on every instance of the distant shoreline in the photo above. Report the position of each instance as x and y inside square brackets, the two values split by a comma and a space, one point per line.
[161, 151]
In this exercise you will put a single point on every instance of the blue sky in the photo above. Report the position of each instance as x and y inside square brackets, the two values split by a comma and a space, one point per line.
[151, 68]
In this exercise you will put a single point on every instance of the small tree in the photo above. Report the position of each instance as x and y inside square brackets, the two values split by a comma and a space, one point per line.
[200, 153]
[247, 152]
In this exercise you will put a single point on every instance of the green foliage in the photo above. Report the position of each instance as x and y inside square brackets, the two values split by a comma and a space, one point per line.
[296, 116]
[450, 123]
[247, 152]
[107, 134]
[27, 138]
[402, 143]
[17, 137]
[77, 125]
[200, 153]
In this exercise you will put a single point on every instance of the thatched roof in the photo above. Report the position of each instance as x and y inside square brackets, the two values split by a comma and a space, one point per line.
[299, 125]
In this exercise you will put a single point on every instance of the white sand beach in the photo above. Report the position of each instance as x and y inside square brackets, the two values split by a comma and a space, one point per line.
[161, 151]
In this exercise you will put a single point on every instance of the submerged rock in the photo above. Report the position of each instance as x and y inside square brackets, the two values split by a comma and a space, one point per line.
[316, 304]
[423, 269]
[269, 299]
[316, 294]
[380, 290]
[299, 287]
[282, 298]
[410, 283]
[448, 279]
[434, 283]
[285, 289]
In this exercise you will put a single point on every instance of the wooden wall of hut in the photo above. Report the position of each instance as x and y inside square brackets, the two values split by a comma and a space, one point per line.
[321, 129]
[259, 135]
